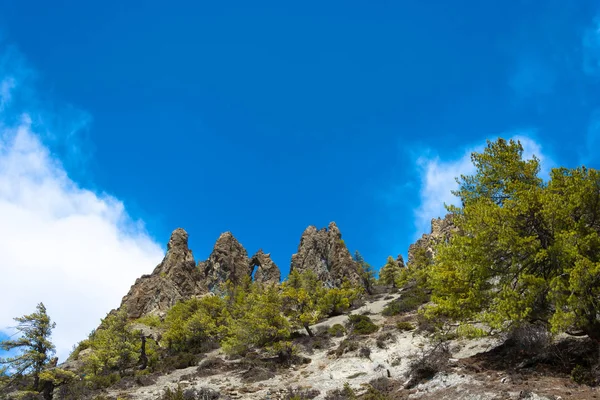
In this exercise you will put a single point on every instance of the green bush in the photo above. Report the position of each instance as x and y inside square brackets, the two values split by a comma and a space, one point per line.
[115, 348]
[173, 394]
[470, 332]
[346, 346]
[346, 393]
[373, 394]
[582, 375]
[336, 301]
[151, 320]
[362, 324]
[102, 381]
[410, 300]
[84, 344]
[301, 394]
[405, 326]
[337, 330]
[178, 361]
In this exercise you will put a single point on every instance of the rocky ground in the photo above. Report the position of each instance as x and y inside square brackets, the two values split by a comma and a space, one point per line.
[474, 369]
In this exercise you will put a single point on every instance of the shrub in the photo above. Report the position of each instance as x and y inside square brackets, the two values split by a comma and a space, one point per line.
[346, 393]
[257, 320]
[373, 394]
[301, 394]
[362, 324]
[582, 375]
[384, 338]
[114, 346]
[178, 361]
[405, 326]
[84, 344]
[151, 320]
[365, 352]
[336, 301]
[410, 300]
[102, 381]
[427, 325]
[193, 323]
[173, 395]
[285, 351]
[337, 330]
[190, 394]
[346, 346]
[529, 338]
[381, 384]
[428, 364]
[470, 332]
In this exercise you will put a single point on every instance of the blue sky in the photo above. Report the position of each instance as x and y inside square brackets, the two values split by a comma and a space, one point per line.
[262, 118]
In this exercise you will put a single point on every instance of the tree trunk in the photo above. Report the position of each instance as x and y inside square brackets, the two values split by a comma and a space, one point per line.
[143, 356]
[48, 390]
[310, 333]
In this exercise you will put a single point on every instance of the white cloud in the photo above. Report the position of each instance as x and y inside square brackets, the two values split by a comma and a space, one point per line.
[438, 179]
[437, 183]
[75, 250]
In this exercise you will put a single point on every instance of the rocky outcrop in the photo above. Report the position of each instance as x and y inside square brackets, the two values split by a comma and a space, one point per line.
[175, 278]
[228, 261]
[324, 252]
[441, 230]
[266, 270]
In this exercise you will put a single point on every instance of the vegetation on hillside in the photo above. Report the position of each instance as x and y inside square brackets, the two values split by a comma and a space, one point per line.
[245, 318]
[526, 250]
[390, 273]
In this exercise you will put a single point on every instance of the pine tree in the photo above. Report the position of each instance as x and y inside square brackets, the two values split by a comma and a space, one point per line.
[367, 273]
[255, 318]
[34, 344]
[525, 250]
[301, 293]
[114, 346]
[390, 272]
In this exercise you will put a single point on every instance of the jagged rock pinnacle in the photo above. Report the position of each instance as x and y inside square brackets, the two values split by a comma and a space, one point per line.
[325, 253]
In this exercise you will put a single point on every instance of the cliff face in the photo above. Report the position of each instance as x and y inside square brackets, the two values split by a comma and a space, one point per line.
[228, 261]
[175, 278]
[178, 277]
[324, 252]
[266, 270]
[441, 230]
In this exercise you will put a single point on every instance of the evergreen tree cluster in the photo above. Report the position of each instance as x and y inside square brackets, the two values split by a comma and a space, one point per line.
[525, 250]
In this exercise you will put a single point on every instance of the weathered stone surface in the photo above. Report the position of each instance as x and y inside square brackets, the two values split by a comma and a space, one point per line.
[175, 278]
[325, 253]
[228, 261]
[266, 270]
[441, 230]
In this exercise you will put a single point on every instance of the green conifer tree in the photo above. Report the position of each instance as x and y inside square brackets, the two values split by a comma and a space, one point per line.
[525, 250]
[390, 272]
[367, 273]
[33, 343]
[300, 294]
[114, 346]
